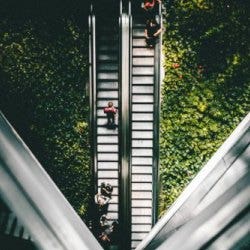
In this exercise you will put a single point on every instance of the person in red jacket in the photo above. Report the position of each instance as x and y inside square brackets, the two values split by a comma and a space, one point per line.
[149, 4]
[151, 8]
[110, 111]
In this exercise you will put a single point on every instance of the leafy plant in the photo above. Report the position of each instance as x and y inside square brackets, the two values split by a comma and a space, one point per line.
[44, 69]
[206, 89]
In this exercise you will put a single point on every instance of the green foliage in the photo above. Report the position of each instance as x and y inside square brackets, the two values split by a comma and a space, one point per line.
[44, 68]
[206, 88]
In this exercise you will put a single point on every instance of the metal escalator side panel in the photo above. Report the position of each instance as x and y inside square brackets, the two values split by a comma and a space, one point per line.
[92, 95]
[157, 90]
[227, 213]
[31, 194]
[125, 172]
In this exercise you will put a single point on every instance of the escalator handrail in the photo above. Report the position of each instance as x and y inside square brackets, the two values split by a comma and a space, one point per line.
[124, 133]
[157, 89]
[224, 222]
[92, 97]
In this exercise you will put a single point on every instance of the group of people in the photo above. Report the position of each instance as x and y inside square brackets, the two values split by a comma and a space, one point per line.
[153, 29]
[107, 233]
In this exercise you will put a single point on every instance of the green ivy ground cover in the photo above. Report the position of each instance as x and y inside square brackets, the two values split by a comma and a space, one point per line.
[44, 68]
[206, 90]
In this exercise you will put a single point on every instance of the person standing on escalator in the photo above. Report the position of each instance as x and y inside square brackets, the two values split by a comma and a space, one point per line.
[152, 32]
[111, 112]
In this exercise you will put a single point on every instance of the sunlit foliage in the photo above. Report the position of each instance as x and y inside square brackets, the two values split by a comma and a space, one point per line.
[206, 89]
[44, 69]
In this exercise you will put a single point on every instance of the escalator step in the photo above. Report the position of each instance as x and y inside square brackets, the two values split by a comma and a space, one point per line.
[112, 57]
[142, 117]
[141, 203]
[141, 211]
[143, 51]
[107, 157]
[107, 76]
[143, 61]
[143, 80]
[107, 94]
[142, 152]
[141, 228]
[107, 174]
[112, 215]
[139, 42]
[107, 139]
[142, 161]
[141, 170]
[145, 178]
[107, 165]
[138, 32]
[138, 70]
[138, 236]
[108, 47]
[145, 107]
[111, 85]
[142, 195]
[142, 143]
[142, 99]
[141, 186]
[106, 148]
[141, 220]
[111, 66]
[103, 103]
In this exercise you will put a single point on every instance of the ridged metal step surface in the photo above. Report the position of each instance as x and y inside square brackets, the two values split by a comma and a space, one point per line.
[142, 134]
[107, 89]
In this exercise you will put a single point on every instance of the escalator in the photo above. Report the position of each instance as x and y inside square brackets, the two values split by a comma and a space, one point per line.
[107, 90]
[124, 71]
[104, 88]
[145, 84]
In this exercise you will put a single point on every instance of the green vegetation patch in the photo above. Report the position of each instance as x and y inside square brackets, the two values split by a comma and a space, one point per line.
[44, 68]
[206, 90]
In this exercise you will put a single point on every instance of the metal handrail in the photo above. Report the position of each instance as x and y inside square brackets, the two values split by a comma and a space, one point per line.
[221, 225]
[157, 89]
[31, 194]
[92, 96]
[124, 132]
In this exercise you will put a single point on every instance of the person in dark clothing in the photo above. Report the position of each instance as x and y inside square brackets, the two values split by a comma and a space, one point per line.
[106, 190]
[102, 204]
[104, 231]
[152, 31]
[114, 235]
[103, 198]
[110, 111]
[109, 234]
